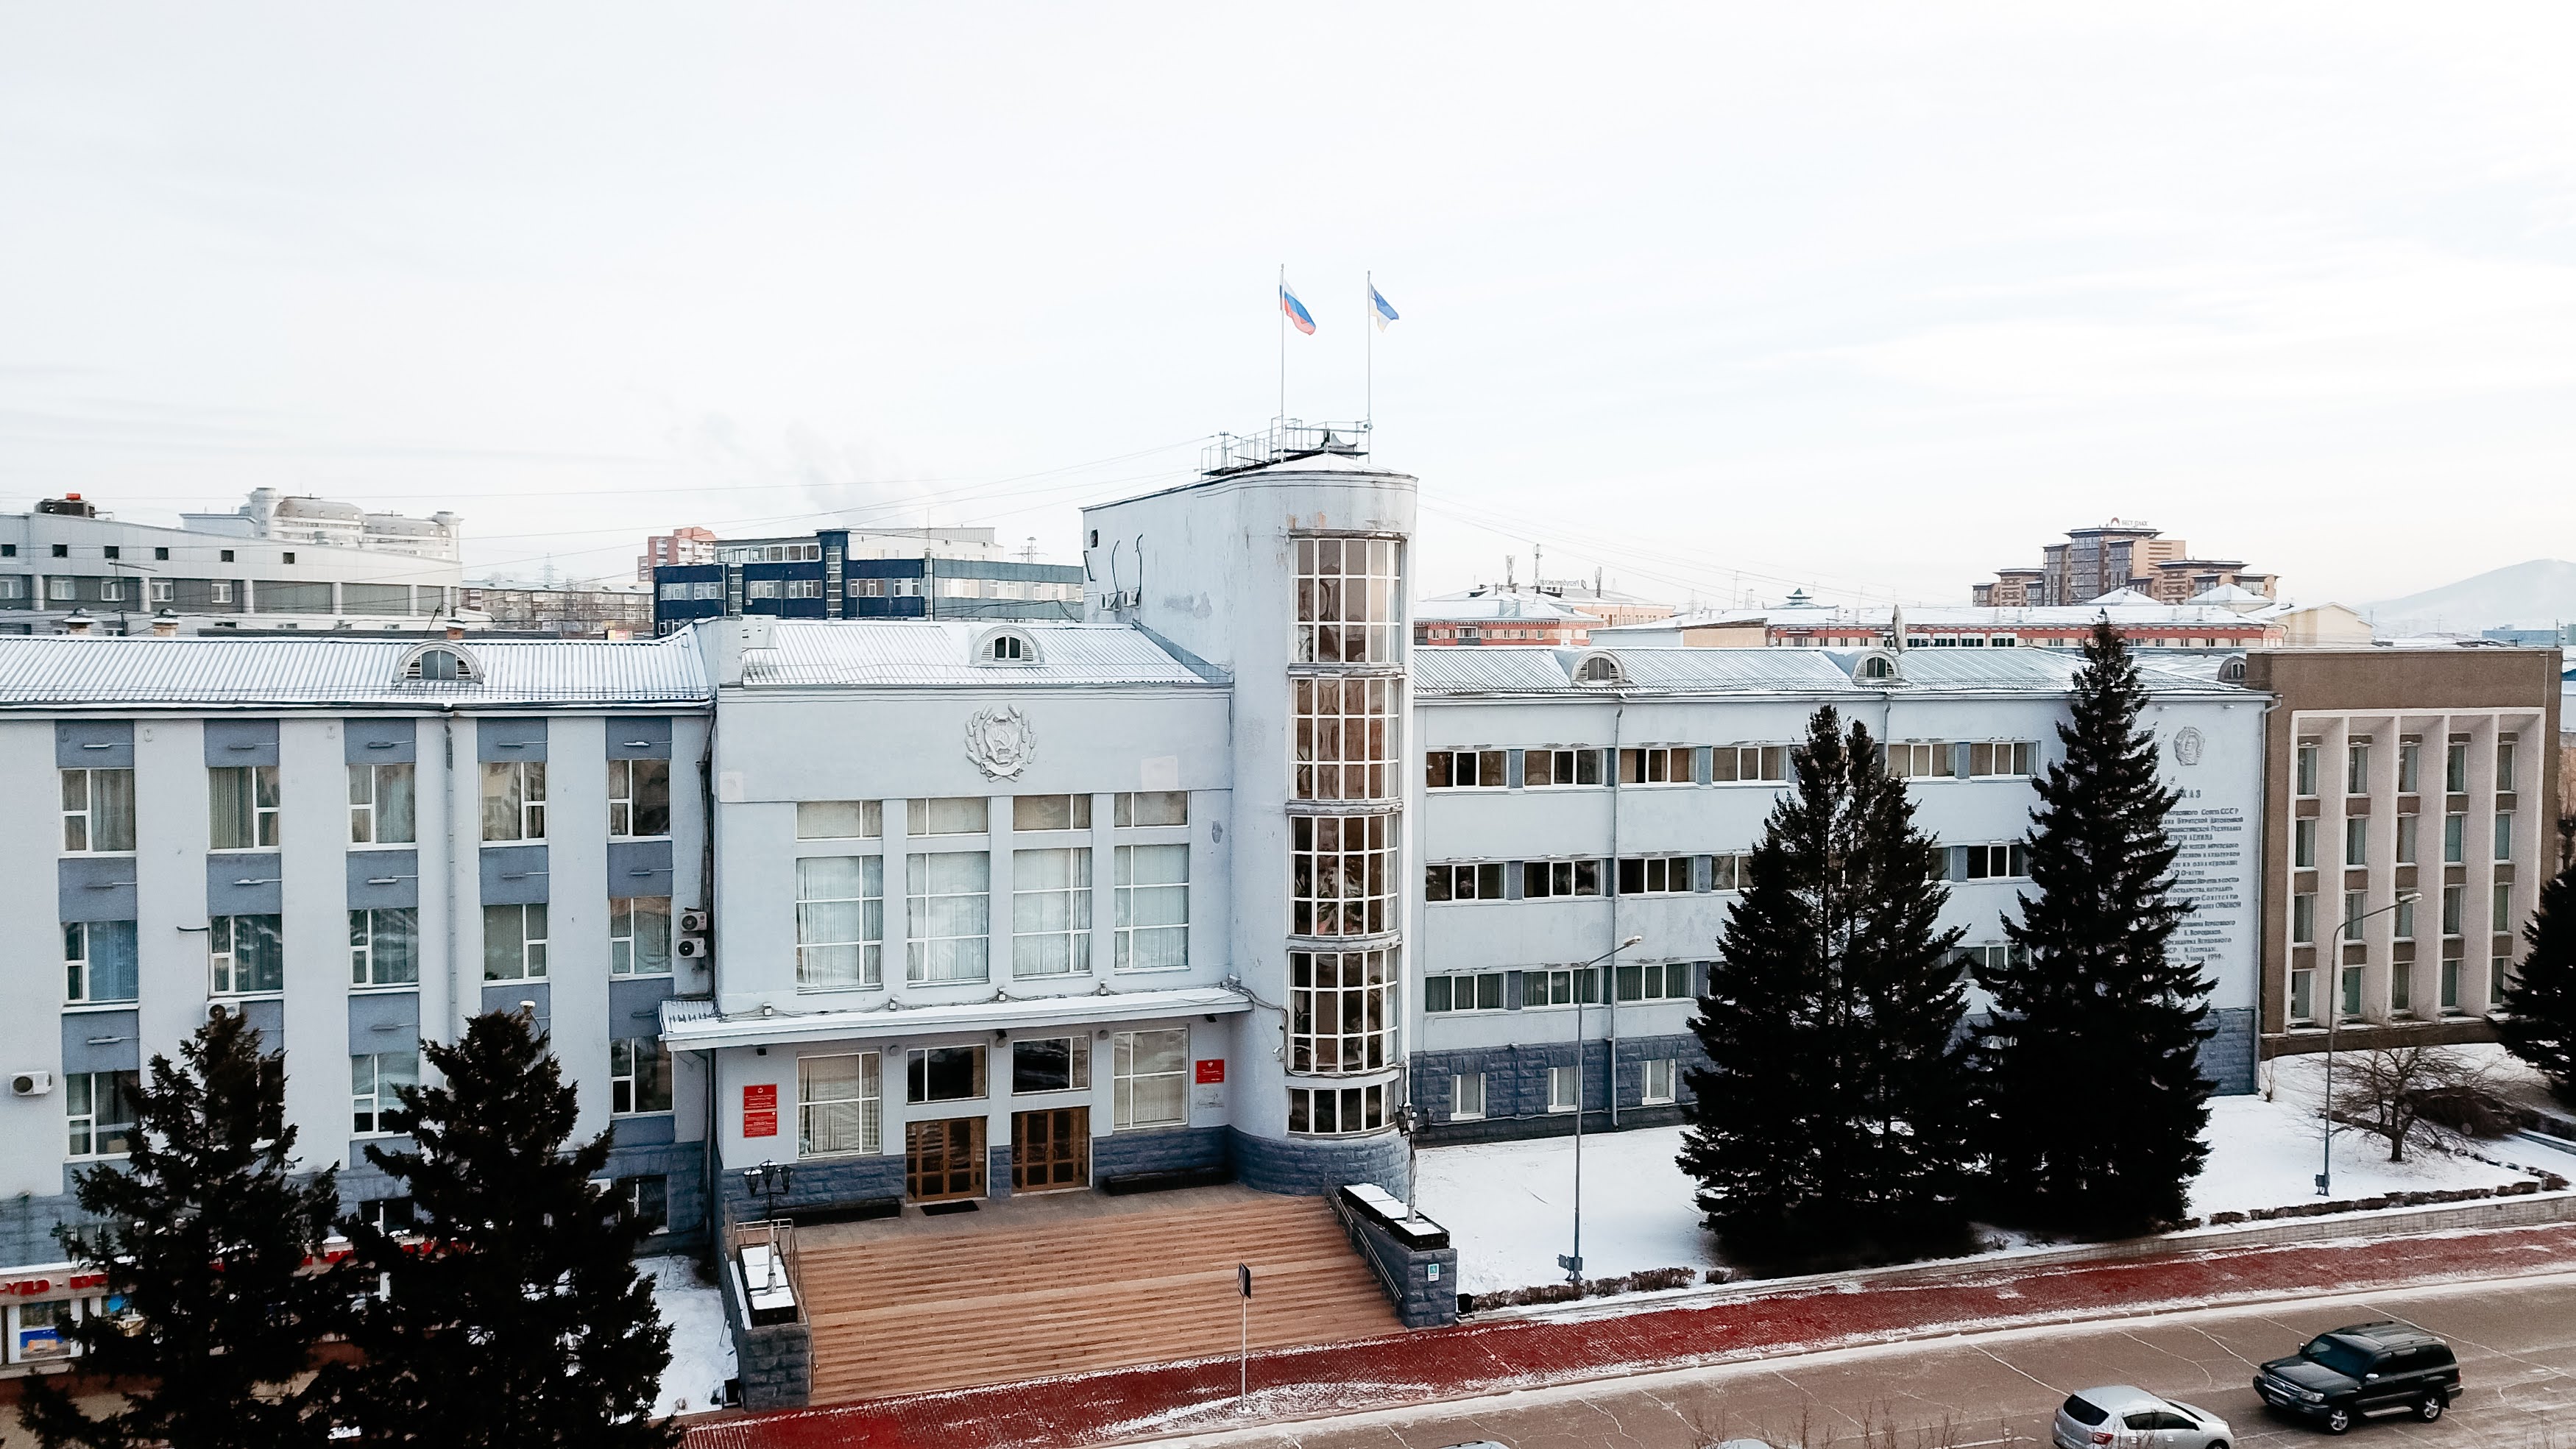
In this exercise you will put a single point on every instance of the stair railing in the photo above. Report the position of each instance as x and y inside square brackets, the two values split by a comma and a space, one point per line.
[1349, 1218]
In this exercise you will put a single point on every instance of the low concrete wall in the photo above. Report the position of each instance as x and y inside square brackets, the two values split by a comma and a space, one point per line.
[1429, 1276]
[775, 1362]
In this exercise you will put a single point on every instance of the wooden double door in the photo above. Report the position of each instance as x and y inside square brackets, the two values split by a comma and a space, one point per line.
[944, 1161]
[1051, 1150]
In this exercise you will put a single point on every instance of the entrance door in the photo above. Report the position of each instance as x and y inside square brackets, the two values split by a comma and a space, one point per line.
[944, 1160]
[1050, 1150]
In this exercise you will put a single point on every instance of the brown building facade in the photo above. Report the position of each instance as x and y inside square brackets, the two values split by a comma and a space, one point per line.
[2387, 772]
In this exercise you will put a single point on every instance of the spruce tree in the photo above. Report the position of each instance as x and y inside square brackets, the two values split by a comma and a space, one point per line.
[204, 1237]
[2539, 1024]
[2092, 1101]
[518, 1317]
[1827, 1121]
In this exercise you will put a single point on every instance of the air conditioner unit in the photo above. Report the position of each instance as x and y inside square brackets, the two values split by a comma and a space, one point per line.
[693, 948]
[693, 923]
[31, 1084]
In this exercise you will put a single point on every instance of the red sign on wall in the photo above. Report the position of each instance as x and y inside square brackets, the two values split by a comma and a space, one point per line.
[760, 1110]
[1211, 1071]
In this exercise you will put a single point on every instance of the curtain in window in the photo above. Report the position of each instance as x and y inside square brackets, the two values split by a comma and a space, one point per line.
[111, 960]
[839, 910]
[951, 915]
[1153, 907]
[836, 1104]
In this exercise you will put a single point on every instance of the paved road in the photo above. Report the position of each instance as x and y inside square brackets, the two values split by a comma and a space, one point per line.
[2516, 1339]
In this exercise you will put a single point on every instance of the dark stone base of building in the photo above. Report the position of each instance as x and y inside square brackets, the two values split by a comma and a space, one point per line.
[2376, 1036]
[1305, 1167]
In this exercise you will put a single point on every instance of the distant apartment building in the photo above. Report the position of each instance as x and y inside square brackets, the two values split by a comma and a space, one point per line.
[2391, 773]
[1802, 623]
[922, 573]
[1483, 618]
[278, 563]
[679, 546]
[570, 613]
[2118, 555]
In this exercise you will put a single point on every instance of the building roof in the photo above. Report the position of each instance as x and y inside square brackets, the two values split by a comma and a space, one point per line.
[1477, 609]
[2229, 594]
[2118, 597]
[1750, 671]
[75, 671]
[2074, 618]
[863, 653]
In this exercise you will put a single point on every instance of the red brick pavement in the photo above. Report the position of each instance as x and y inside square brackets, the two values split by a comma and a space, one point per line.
[1517, 1353]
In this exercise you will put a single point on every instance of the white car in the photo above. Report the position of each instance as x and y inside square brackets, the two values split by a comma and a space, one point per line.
[2123, 1416]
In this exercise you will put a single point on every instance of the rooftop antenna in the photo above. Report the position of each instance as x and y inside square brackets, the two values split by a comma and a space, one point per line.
[1538, 571]
[1029, 553]
[1508, 586]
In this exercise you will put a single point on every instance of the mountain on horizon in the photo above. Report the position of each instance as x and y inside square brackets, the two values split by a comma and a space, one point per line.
[2540, 591]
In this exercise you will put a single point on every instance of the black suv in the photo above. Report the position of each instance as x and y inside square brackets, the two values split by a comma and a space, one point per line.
[2368, 1368]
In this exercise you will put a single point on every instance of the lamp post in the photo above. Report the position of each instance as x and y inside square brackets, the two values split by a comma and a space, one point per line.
[1572, 1262]
[2334, 1015]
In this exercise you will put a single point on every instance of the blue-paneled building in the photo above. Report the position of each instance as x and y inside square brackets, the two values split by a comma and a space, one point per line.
[838, 574]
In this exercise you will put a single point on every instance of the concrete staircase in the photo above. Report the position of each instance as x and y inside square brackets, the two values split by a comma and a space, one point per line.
[957, 1302]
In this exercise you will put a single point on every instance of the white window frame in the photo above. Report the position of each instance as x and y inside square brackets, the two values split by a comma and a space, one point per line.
[261, 782]
[373, 1092]
[1442, 882]
[1355, 1110]
[1561, 880]
[629, 933]
[1345, 737]
[1440, 769]
[624, 796]
[514, 798]
[1472, 982]
[1051, 912]
[628, 1080]
[1134, 939]
[1657, 875]
[223, 955]
[1077, 1065]
[81, 820]
[1770, 764]
[530, 935]
[1564, 1089]
[80, 954]
[820, 945]
[365, 941]
[1572, 760]
[864, 1109]
[1467, 1097]
[1150, 810]
[367, 799]
[948, 815]
[840, 819]
[1659, 765]
[1129, 1084]
[962, 954]
[1321, 1042]
[84, 1133]
[1346, 615]
[1656, 1082]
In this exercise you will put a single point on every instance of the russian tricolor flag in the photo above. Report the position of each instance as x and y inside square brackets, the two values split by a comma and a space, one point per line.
[1298, 316]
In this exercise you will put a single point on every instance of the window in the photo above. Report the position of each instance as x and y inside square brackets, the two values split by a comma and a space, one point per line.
[2003, 758]
[98, 810]
[1480, 991]
[98, 1107]
[2504, 835]
[1989, 959]
[2303, 843]
[1149, 1077]
[1325, 1112]
[1467, 1097]
[1654, 875]
[514, 942]
[1919, 761]
[1564, 1089]
[1657, 1088]
[2455, 766]
[1346, 738]
[2452, 898]
[1730, 872]
[1748, 763]
[2002, 861]
[2303, 918]
[2406, 839]
[639, 798]
[1340, 1015]
[840, 819]
[384, 946]
[944, 1074]
[1663, 765]
[1144, 808]
[247, 954]
[2351, 1001]
[2356, 840]
[804, 588]
[2450, 987]
[380, 805]
[1463, 769]
[639, 1075]
[1657, 981]
[98, 961]
[2354, 903]
[2304, 768]
[1342, 874]
[1005, 649]
[242, 802]
[1349, 600]
[2497, 966]
[2303, 997]
[949, 903]
[2356, 767]
[1599, 669]
[675, 591]
[2410, 760]
[2403, 921]
[1559, 986]
[707, 589]
[948, 815]
[646, 1200]
[1153, 906]
[2504, 764]
[1050, 1064]
[837, 1107]
[639, 936]
[375, 1089]
[514, 800]
[1449, 882]
[2455, 836]
[1554, 879]
[840, 922]
[760, 588]
[2500, 909]
[1051, 910]
[1050, 812]
[1541, 768]
[444, 666]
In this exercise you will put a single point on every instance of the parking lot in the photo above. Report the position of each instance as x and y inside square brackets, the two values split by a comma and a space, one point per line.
[2516, 1340]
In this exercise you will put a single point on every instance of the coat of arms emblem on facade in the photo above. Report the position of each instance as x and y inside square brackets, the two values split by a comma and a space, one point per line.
[1000, 742]
[2187, 745]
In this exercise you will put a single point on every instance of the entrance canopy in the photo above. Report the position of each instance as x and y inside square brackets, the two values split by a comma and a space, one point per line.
[698, 1026]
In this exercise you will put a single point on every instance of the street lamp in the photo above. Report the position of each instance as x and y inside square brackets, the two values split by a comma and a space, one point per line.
[2334, 1015]
[1572, 1262]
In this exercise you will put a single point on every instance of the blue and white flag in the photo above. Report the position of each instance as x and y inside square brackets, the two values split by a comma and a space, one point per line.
[1385, 310]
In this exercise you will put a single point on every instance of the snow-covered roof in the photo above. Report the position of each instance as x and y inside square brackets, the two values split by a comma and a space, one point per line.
[1804, 672]
[2119, 597]
[71, 670]
[860, 653]
[1918, 617]
[2229, 594]
[1460, 609]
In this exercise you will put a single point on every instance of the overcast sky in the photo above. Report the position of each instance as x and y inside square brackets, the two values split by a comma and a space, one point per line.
[1718, 298]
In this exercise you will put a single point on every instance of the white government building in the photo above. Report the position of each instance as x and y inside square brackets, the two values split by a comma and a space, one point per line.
[1210, 884]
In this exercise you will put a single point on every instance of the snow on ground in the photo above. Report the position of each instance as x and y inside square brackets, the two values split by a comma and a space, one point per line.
[701, 1349]
[1508, 1206]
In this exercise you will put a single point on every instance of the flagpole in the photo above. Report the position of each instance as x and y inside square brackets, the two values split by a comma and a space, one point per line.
[1368, 324]
[1282, 308]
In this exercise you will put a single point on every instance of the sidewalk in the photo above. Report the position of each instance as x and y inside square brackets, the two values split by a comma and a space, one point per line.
[1527, 1352]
